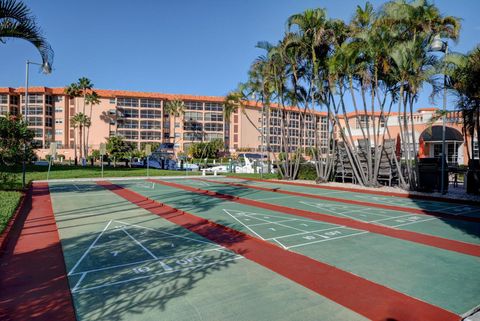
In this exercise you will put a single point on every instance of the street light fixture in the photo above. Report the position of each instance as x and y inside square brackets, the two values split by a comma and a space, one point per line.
[46, 68]
[439, 45]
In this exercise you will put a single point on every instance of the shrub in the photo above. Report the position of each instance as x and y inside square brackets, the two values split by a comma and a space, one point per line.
[307, 172]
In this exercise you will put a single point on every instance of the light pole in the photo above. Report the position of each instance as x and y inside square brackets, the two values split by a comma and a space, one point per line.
[46, 69]
[439, 45]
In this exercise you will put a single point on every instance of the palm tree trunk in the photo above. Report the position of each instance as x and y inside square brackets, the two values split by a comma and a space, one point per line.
[80, 137]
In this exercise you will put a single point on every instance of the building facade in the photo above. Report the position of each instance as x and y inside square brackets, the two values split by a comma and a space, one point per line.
[139, 118]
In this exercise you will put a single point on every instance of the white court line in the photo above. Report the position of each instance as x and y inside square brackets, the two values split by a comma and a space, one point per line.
[166, 233]
[156, 274]
[313, 232]
[245, 225]
[79, 281]
[414, 222]
[89, 248]
[280, 244]
[276, 223]
[287, 220]
[274, 198]
[326, 240]
[143, 247]
[144, 261]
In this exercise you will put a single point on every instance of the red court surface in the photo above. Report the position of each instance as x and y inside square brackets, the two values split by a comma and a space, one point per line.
[33, 282]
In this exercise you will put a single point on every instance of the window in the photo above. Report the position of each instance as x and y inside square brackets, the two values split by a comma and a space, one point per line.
[33, 99]
[128, 134]
[112, 101]
[150, 135]
[475, 150]
[192, 125]
[58, 132]
[213, 106]
[58, 109]
[213, 127]
[192, 136]
[193, 105]
[48, 122]
[130, 113]
[3, 99]
[148, 113]
[150, 124]
[58, 120]
[128, 123]
[3, 110]
[150, 103]
[193, 115]
[49, 100]
[213, 117]
[362, 121]
[35, 121]
[49, 110]
[14, 100]
[33, 110]
[212, 136]
[127, 102]
[38, 132]
[58, 98]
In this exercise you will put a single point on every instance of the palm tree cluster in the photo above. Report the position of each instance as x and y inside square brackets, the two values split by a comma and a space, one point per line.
[82, 88]
[379, 62]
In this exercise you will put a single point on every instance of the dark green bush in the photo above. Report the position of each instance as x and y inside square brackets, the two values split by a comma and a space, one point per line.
[307, 172]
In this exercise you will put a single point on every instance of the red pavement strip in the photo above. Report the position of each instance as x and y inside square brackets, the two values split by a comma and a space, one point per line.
[430, 240]
[367, 298]
[364, 191]
[33, 279]
[353, 202]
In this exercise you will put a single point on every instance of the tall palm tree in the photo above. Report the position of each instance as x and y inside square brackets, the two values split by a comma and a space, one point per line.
[81, 121]
[175, 108]
[73, 91]
[16, 21]
[91, 99]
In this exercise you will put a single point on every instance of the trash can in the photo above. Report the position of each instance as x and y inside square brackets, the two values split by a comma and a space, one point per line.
[430, 175]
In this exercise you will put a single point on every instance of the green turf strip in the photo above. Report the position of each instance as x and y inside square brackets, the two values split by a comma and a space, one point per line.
[194, 281]
[452, 229]
[386, 200]
[9, 201]
[443, 278]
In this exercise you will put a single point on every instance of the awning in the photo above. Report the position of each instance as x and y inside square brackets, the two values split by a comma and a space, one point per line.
[435, 134]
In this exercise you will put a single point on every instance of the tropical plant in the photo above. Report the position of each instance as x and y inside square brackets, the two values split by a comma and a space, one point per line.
[175, 108]
[118, 149]
[14, 136]
[91, 99]
[81, 121]
[16, 21]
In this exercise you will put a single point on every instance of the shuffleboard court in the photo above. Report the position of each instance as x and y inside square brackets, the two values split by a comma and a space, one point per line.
[459, 230]
[125, 263]
[429, 274]
[425, 205]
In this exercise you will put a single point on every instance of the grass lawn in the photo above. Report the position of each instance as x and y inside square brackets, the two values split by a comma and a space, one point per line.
[8, 203]
[67, 171]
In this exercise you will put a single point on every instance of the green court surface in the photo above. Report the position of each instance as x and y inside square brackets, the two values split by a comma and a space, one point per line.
[443, 278]
[448, 228]
[427, 205]
[125, 263]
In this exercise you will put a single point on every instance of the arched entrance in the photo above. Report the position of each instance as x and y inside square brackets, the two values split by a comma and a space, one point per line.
[431, 144]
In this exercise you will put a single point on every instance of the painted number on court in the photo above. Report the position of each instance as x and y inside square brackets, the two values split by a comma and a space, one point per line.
[141, 269]
[189, 260]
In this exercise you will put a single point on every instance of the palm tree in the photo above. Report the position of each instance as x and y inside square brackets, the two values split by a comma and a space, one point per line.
[175, 108]
[91, 99]
[81, 121]
[73, 91]
[16, 21]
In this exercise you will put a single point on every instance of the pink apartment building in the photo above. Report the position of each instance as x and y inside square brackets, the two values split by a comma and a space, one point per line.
[139, 118]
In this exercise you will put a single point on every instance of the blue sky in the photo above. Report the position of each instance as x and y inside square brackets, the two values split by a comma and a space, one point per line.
[201, 47]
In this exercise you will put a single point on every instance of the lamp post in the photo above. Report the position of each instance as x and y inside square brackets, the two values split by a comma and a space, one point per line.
[439, 45]
[46, 69]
